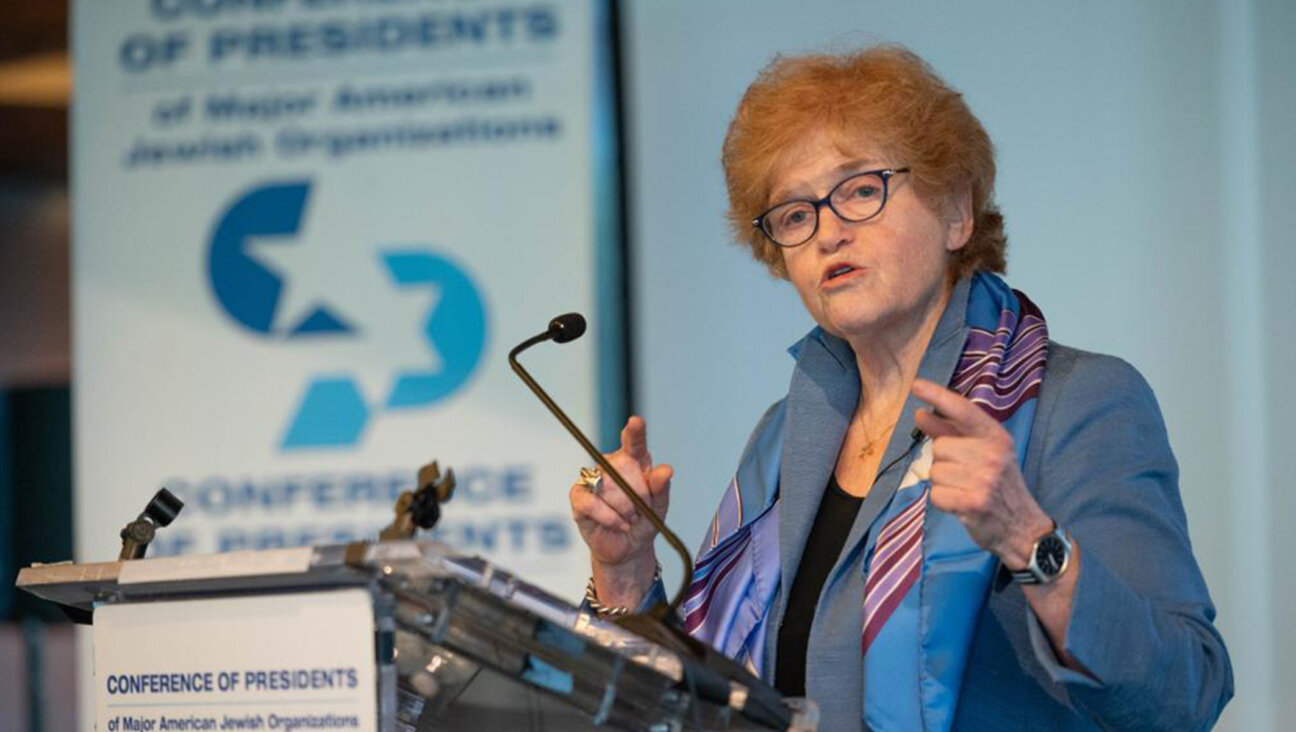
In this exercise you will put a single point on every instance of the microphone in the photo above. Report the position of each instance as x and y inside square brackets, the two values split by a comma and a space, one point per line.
[136, 536]
[564, 329]
[567, 327]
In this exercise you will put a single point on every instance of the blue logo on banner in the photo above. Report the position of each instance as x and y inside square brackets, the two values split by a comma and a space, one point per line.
[333, 411]
[245, 288]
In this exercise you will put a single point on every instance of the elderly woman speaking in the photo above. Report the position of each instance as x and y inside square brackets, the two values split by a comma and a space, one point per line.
[950, 520]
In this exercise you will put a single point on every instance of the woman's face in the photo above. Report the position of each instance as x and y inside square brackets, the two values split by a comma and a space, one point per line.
[860, 279]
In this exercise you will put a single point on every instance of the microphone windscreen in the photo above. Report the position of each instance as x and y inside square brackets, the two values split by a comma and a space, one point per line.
[567, 327]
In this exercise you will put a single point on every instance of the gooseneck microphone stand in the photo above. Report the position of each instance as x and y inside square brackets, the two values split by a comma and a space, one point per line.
[563, 329]
[708, 674]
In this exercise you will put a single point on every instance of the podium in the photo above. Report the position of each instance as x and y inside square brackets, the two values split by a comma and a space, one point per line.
[397, 636]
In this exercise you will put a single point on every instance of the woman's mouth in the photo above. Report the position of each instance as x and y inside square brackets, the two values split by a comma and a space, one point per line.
[840, 273]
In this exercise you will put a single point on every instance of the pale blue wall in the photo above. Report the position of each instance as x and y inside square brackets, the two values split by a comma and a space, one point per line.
[1276, 21]
[1117, 125]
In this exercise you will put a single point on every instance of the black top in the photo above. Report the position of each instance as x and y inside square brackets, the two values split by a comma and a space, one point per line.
[832, 524]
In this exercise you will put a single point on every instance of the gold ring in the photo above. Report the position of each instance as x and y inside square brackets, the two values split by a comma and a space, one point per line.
[591, 478]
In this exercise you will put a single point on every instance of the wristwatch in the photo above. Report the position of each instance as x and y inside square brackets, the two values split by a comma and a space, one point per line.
[1050, 557]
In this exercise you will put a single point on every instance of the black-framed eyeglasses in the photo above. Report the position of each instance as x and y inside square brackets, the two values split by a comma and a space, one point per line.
[857, 198]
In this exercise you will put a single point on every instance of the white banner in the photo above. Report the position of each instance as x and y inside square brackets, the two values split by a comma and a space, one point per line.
[306, 234]
[237, 663]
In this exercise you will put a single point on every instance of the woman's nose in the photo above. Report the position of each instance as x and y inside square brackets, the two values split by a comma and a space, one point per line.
[833, 231]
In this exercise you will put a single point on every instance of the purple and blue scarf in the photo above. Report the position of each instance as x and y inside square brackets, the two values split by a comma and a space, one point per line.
[926, 579]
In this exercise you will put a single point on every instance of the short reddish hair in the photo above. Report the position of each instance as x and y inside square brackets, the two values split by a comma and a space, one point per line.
[886, 95]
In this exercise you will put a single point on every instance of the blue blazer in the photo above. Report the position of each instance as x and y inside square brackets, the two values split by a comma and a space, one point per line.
[1099, 462]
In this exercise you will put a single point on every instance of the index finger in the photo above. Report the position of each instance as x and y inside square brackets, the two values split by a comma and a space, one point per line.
[959, 411]
[634, 441]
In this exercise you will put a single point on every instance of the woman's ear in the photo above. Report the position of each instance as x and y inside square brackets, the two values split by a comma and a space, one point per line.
[959, 219]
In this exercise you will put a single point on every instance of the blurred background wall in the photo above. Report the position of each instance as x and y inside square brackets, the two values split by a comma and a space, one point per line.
[37, 654]
[1146, 172]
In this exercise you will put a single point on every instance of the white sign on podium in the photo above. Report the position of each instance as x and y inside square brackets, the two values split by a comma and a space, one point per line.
[285, 662]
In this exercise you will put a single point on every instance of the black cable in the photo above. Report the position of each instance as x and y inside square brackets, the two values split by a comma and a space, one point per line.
[915, 439]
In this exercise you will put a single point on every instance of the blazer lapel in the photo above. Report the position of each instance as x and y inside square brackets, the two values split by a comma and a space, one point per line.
[821, 401]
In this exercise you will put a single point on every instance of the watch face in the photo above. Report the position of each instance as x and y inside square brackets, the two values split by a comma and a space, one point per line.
[1050, 555]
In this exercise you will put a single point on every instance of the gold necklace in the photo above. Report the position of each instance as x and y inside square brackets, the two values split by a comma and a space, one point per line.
[871, 443]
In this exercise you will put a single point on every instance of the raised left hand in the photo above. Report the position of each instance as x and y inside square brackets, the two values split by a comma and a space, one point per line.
[975, 475]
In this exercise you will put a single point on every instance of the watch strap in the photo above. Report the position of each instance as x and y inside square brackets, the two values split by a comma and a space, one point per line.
[1029, 576]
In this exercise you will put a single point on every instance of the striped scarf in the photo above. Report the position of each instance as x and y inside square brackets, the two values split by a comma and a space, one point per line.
[926, 580]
